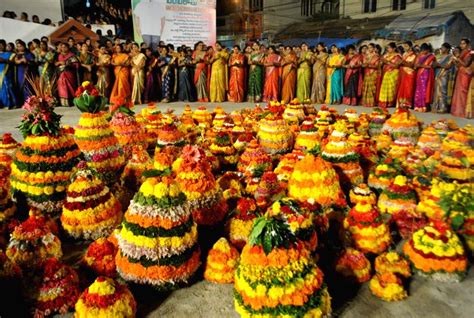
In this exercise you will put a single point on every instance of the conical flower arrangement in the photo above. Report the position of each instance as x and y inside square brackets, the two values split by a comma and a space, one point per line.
[7, 207]
[91, 210]
[254, 161]
[203, 117]
[362, 193]
[241, 221]
[308, 138]
[398, 196]
[170, 136]
[383, 174]
[152, 122]
[369, 233]
[221, 263]
[43, 165]
[140, 162]
[274, 134]
[197, 182]
[403, 123]
[128, 131]
[286, 165]
[8, 146]
[106, 298]
[377, 119]
[429, 140]
[158, 240]
[100, 257]
[354, 265]
[277, 276]
[222, 148]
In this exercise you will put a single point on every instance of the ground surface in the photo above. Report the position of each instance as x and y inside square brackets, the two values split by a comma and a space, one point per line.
[427, 298]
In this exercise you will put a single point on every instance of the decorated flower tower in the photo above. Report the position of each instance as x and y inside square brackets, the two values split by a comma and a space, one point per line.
[342, 155]
[222, 147]
[368, 231]
[403, 123]
[106, 298]
[294, 109]
[7, 206]
[132, 175]
[384, 173]
[286, 164]
[277, 275]
[241, 221]
[377, 120]
[94, 136]
[274, 134]
[128, 131]
[203, 117]
[152, 122]
[254, 161]
[398, 196]
[8, 146]
[170, 136]
[197, 182]
[268, 190]
[43, 165]
[158, 239]
[91, 209]
[100, 257]
[221, 263]
[354, 265]
[429, 140]
[362, 193]
[308, 138]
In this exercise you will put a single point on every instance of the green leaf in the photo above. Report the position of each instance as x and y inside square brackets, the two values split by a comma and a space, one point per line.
[465, 161]
[457, 222]
[257, 229]
[267, 243]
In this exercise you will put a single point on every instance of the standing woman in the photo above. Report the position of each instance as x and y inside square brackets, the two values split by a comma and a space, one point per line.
[463, 80]
[288, 75]
[219, 81]
[407, 76]
[303, 89]
[318, 91]
[388, 89]
[271, 90]
[255, 86]
[185, 76]
[24, 61]
[352, 77]
[370, 63]
[103, 71]
[87, 62]
[424, 78]
[152, 77]
[444, 80]
[137, 62]
[45, 61]
[167, 75]
[335, 74]
[121, 90]
[7, 92]
[68, 66]
[200, 73]
[237, 76]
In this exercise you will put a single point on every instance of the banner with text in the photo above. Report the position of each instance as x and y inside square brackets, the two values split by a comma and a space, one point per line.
[174, 21]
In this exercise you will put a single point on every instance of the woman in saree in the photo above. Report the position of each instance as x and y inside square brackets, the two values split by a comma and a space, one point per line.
[444, 75]
[255, 86]
[103, 71]
[25, 67]
[424, 78]
[237, 76]
[152, 77]
[45, 60]
[303, 82]
[185, 76]
[67, 65]
[407, 77]
[200, 74]
[87, 62]
[7, 92]
[167, 66]
[318, 90]
[288, 75]
[271, 89]
[219, 81]
[463, 80]
[121, 91]
[388, 90]
[370, 63]
[137, 63]
[352, 77]
[335, 74]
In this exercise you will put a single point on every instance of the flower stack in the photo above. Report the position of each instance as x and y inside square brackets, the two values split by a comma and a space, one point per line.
[459, 139]
[383, 174]
[57, 290]
[403, 123]
[294, 109]
[383, 142]
[436, 251]
[128, 131]
[32, 242]
[429, 140]
[268, 190]
[170, 136]
[219, 119]
[342, 156]
[456, 166]
[400, 148]
[314, 179]
[132, 175]
[324, 120]
[377, 120]
[91, 210]
[354, 265]
[362, 193]
[8, 146]
[386, 283]
[221, 263]
[158, 239]
[7, 207]
[223, 149]
[398, 196]
[352, 119]
[286, 164]
[100, 257]
[369, 233]
[42, 166]
[197, 182]
[240, 224]
[231, 186]
[106, 298]
[254, 161]
[413, 163]
[152, 123]
[94, 136]
[308, 138]
[203, 117]
[274, 134]
[277, 276]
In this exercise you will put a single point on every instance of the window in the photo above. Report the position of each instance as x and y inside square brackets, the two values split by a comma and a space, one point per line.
[369, 6]
[398, 5]
[429, 4]
[255, 5]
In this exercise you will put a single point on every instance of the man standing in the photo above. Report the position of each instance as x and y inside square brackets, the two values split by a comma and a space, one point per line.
[146, 14]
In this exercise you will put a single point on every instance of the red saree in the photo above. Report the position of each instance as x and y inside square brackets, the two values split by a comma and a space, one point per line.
[237, 78]
[461, 87]
[406, 88]
[271, 88]
[353, 80]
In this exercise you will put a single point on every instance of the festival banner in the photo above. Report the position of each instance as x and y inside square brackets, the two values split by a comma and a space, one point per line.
[180, 22]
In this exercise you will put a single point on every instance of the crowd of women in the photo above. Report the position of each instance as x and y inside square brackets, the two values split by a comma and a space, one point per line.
[402, 76]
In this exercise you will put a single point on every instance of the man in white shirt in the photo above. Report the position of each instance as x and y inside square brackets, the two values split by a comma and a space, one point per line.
[150, 18]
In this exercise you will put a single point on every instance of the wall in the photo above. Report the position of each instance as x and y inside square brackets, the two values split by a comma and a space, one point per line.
[42, 8]
[10, 30]
[459, 29]
[280, 13]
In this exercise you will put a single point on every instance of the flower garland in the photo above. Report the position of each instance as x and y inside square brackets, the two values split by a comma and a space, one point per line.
[221, 263]
[403, 123]
[128, 131]
[354, 265]
[240, 224]
[100, 257]
[398, 196]
[254, 161]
